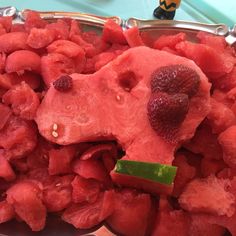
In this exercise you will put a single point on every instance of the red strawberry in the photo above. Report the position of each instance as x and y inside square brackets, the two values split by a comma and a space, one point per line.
[166, 113]
[64, 83]
[175, 79]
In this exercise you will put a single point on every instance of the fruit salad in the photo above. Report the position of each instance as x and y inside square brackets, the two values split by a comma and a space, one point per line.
[120, 128]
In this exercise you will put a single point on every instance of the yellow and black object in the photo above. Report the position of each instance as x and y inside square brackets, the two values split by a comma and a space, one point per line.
[166, 9]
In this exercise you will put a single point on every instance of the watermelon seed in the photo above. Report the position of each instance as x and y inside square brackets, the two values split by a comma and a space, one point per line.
[54, 127]
[54, 134]
[45, 157]
[58, 184]
[118, 98]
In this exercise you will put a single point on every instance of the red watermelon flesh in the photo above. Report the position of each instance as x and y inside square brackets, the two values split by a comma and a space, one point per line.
[23, 100]
[131, 213]
[224, 221]
[54, 65]
[184, 174]
[211, 167]
[5, 113]
[133, 38]
[40, 155]
[57, 192]
[97, 150]
[85, 190]
[199, 226]
[60, 160]
[210, 195]
[66, 48]
[92, 169]
[220, 116]
[213, 63]
[87, 215]
[6, 171]
[77, 115]
[6, 22]
[2, 62]
[18, 137]
[205, 143]
[8, 81]
[169, 222]
[169, 41]
[33, 20]
[6, 212]
[217, 42]
[227, 142]
[13, 41]
[40, 38]
[26, 199]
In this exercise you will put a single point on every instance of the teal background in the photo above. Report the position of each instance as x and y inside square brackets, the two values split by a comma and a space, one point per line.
[208, 11]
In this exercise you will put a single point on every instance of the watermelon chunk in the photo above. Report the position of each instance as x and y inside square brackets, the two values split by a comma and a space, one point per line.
[113, 33]
[33, 20]
[96, 151]
[227, 142]
[208, 195]
[60, 28]
[205, 143]
[5, 113]
[211, 167]
[75, 28]
[131, 213]
[54, 65]
[2, 62]
[199, 226]
[213, 63]
[216, 42]
[8, 81]
[17, 27]
[6, 212]
[167, 218]
[22, 60]
[102, 59]
[185, 173]
[85, 190]
[60, 160]
[220, 116]
[13, 41]
[66, 48]
[23, 100]
[57, 192]
[169, 41]
[226, 82]
[25, 197]
[39, 38]
[89, 48]
[40, 155]
[91, 169]
[2, 30]
[6, 171]
[18, 137]
[6, 22]
[87, 215]
[133, 38]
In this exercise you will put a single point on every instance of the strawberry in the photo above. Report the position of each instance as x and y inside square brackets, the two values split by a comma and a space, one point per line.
[166, 113]
[175, 79]
[64, 83]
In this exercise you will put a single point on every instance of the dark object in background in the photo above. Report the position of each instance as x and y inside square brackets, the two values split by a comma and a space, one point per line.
[166, 9]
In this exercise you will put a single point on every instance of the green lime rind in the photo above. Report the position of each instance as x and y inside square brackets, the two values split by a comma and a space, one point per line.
[156, 172]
